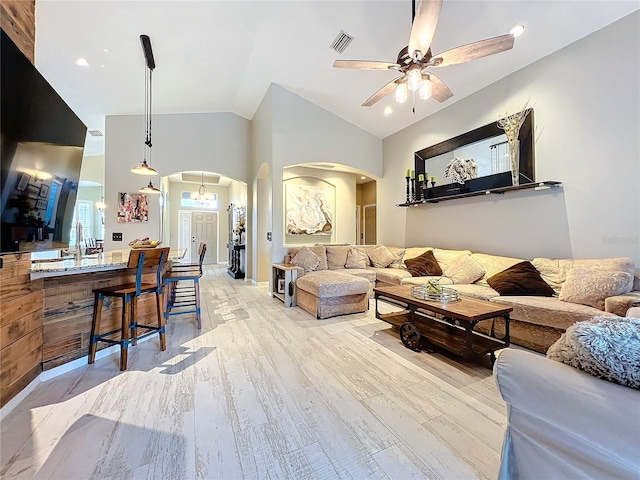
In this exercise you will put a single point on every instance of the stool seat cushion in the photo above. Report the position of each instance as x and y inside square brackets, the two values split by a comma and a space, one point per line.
[328, 283]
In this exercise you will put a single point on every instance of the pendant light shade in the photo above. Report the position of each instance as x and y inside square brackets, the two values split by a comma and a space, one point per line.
[151, 188]
[144, 169]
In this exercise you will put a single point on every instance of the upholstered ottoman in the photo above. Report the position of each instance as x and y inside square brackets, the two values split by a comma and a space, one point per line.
[327, 294]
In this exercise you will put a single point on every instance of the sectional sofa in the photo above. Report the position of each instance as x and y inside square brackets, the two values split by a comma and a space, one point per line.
[579, 288]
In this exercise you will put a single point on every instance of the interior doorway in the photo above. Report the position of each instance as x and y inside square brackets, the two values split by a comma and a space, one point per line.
[195, 227]
[370, 225]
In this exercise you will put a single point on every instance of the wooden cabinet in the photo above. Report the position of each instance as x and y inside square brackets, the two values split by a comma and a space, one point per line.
[283, 283]
[21, 307]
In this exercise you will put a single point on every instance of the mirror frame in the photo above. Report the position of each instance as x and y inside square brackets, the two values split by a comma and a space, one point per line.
[497, 180]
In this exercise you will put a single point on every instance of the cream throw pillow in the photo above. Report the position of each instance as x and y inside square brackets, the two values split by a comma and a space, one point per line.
[380, 256]
[591, 285]
[306, 259]
[464, 270]
[398, 253]
[356, 259]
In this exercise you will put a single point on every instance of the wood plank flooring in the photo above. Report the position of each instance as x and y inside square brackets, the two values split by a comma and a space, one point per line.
[261, 392]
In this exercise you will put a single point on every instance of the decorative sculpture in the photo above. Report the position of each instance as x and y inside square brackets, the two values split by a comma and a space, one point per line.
[461, 170]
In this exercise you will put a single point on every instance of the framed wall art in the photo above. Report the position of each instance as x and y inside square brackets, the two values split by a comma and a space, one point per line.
[309, 209]
[133, 208]
[23, 182]
[44, 191]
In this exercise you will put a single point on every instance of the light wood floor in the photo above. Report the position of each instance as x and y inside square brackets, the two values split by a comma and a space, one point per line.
[261, 392]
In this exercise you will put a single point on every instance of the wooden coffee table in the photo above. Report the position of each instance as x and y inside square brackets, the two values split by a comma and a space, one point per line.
[448, 325]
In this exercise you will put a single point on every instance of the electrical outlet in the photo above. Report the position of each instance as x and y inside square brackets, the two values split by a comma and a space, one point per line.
[268, 236]
[117, 237]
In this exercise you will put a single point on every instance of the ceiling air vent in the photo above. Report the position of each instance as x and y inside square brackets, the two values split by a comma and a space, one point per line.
[96, 133]
[341, 42]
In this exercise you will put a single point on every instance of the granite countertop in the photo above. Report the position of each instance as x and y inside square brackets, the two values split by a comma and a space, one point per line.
[98, 262]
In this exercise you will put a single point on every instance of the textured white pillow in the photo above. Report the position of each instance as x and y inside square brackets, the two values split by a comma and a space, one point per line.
[607, 347]
[356, 259]
[591, 285]
[306, 259]
[464, 270]
[380, 256]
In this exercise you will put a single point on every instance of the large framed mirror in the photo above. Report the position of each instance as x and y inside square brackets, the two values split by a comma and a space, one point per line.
[488, 147]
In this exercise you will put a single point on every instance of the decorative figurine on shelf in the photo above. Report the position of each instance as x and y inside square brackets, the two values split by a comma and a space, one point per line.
[238, 232]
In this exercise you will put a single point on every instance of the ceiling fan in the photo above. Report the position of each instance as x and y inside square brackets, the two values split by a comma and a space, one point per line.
[415, 59]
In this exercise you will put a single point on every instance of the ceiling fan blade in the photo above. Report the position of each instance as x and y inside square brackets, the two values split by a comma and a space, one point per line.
[475, 50]
[365, 65]
[384, 91]
[439, 90]
[424, 25]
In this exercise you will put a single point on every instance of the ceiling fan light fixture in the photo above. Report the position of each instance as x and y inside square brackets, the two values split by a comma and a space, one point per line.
[401, 92]
[414, 79]
[426, 88]
[517, 30]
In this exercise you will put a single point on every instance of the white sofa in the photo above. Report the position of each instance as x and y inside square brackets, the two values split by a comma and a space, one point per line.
[564, 423]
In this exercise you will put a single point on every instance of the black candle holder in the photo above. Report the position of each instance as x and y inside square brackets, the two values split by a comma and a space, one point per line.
[408, 189]
[433, 184]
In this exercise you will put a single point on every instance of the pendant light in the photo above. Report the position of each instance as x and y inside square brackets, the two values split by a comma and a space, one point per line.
[201, 195]
[145, 168]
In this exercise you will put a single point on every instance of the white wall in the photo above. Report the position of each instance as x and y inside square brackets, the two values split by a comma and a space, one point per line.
[214, 142]
[586, 100]
[258, 248]
[306, 133]
[93, 169]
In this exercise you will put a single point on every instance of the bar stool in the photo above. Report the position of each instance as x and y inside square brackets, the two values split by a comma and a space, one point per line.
[129, 293]
[180, 296]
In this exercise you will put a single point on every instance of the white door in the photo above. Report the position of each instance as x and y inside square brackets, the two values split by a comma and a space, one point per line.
[204, 228]
[184, 234]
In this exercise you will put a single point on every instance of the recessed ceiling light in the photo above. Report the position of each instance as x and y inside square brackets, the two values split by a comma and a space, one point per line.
[362, 177]
[82, 62]
[517, 30]
[388, 110]
[106, 50]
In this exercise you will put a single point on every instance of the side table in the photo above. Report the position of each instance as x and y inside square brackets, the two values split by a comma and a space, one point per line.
[283, 283]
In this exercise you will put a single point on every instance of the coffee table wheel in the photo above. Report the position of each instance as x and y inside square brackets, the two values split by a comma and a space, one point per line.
[410, 336]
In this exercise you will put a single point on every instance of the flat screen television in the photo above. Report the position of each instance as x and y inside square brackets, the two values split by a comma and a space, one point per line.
[41, 147]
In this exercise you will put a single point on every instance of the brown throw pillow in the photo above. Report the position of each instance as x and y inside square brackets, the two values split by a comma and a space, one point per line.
[520, 279]
[423, 265]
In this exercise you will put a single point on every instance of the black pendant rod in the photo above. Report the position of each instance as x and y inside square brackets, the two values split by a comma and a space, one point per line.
[148, 52]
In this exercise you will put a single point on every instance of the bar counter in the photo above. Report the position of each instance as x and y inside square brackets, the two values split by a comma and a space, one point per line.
[68, 301]
[97, 262]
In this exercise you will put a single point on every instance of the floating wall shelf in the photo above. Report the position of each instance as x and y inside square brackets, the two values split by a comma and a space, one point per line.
[496, 191]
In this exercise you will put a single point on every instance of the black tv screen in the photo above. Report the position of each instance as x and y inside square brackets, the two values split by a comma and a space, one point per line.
[41, 147]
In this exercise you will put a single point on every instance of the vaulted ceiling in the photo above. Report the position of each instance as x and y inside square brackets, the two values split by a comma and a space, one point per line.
[221, 56]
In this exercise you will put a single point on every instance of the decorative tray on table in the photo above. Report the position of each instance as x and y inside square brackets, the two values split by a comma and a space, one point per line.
[435, 294]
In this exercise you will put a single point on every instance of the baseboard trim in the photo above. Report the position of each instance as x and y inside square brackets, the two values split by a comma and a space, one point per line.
[15, 401]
